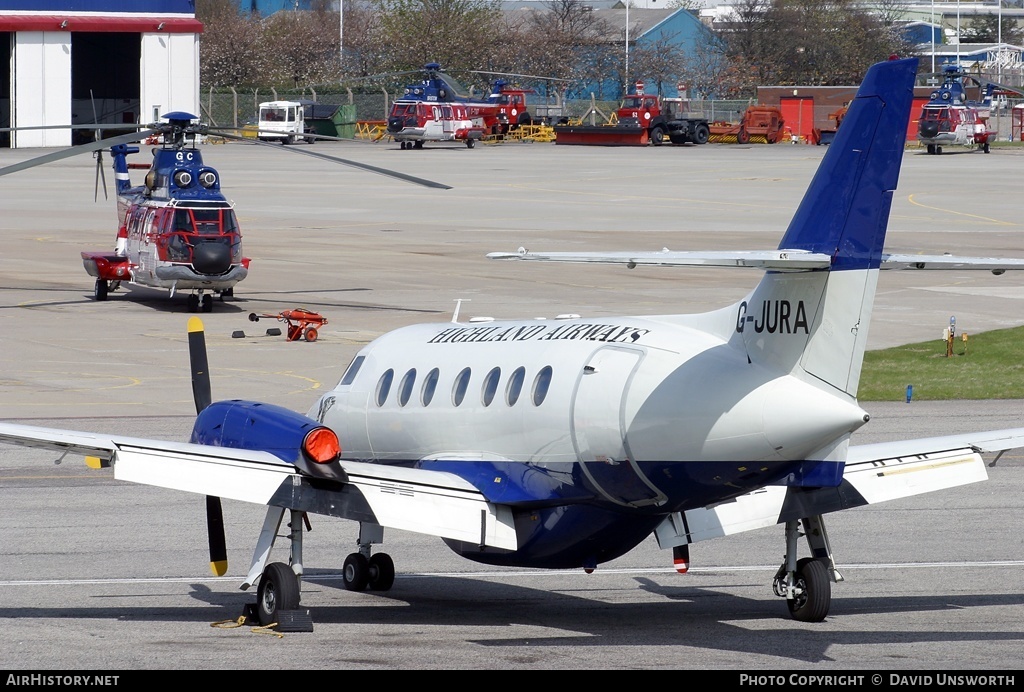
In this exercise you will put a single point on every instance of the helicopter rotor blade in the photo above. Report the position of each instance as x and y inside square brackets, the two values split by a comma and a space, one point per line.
[354, 164]
[201, 394]
[76, 150]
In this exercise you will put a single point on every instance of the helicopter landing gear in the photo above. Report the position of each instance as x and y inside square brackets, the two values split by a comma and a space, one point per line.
[99, 291]
[197, 300]
[417, 145]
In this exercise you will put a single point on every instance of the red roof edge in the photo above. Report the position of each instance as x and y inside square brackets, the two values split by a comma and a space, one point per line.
[101, 24]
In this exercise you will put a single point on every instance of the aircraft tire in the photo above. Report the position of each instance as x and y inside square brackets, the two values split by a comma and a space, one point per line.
[193, 303]
[813, 604]
[382, 572]
[931, 148]
[356, 572]
[207, 303]
[986, 147]
[99, 291]
[278, 590]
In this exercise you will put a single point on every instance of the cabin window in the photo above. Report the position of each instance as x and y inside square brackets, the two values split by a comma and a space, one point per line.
[405, 389]
[515, 386]
[429, 385]
[461, 384]
[490, 386]
[353, 368]
[541, 384]
[384, 386]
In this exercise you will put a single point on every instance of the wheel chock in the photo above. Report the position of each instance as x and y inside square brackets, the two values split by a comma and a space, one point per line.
[294, 621]
[238, 334]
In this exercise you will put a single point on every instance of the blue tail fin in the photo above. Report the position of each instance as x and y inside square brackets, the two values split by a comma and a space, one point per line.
[815, 324]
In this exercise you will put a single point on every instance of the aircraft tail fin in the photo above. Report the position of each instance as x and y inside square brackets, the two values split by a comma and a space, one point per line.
[817, 320]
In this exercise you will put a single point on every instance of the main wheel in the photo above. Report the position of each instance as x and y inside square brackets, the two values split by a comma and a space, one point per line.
[418, 144]
[986, 147]
[701, 134]
[310, 333]
[657, 135]
[382, 572]
[815, 597]
[207, 303]
[356, 572]
[279, 590]
[99, 290]
[193, 303]
[931, 149]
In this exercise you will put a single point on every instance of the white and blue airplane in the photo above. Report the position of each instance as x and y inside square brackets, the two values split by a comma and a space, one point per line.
[566, 443]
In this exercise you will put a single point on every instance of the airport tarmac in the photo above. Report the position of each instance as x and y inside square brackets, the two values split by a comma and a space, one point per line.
[96, 574]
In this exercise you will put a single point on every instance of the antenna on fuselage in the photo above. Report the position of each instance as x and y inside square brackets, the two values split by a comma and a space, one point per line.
[458, 306]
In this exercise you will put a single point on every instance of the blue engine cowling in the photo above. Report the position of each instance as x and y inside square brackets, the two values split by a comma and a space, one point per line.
[253, 425]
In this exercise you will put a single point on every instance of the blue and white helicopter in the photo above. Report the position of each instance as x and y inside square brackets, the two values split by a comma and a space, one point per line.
[567, 444]
[177, 231]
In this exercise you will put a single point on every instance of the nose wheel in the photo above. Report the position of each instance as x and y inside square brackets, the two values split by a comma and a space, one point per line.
[203, 301]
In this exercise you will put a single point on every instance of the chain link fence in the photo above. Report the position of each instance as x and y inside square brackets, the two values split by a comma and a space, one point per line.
[238, 107]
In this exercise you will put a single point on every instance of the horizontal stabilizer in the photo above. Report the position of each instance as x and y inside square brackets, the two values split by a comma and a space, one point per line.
[996, 265]
[778, 260]
[775, 260]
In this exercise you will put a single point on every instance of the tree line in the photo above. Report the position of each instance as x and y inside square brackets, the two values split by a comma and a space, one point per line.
[807, 42]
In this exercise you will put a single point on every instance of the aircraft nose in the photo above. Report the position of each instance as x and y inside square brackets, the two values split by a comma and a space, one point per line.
[211, 258]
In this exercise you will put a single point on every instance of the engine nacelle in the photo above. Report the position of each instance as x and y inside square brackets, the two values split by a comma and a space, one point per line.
[312, 447]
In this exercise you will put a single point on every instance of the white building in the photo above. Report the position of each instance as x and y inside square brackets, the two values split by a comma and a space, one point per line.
[87, 61]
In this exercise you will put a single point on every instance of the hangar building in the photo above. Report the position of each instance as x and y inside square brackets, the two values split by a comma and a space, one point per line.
[128, 60]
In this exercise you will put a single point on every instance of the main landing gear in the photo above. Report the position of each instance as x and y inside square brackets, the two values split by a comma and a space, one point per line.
[280, 583]
[806, 584]
[102, 288]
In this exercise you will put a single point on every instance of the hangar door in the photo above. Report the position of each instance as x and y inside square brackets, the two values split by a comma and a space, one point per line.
[5, 86]
[105, 76]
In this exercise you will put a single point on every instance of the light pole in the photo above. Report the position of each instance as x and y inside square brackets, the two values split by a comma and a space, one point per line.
[626, 86]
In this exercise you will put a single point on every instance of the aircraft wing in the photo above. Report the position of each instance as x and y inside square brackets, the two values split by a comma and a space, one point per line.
[430, 502]
[874, 473]
[776, 260]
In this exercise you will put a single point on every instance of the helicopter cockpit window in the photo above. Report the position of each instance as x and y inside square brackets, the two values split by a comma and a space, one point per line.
[207, 221]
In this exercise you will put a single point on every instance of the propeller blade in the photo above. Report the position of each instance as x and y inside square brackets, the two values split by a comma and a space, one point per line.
[215, 531]
[75, 151]
[201, 393]
[355, 164]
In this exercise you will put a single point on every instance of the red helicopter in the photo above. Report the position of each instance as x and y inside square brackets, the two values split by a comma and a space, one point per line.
[177, 231]
[438, 109]
[951, 117]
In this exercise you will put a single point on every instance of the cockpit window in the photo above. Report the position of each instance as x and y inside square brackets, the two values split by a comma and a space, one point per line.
[353, 369]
